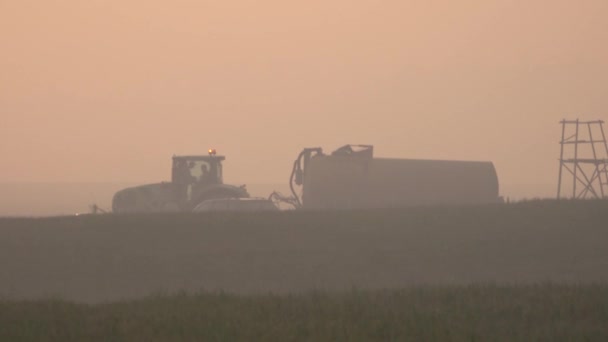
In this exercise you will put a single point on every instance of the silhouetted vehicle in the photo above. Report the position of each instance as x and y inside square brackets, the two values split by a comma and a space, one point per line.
[236, 204]
[194, 179]
[351, 178]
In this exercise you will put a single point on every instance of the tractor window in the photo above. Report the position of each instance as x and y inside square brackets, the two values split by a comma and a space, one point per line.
[182, 172]
[188, 171]
[201, 171]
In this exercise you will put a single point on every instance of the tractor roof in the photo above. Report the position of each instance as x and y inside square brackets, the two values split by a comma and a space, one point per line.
[206, 158]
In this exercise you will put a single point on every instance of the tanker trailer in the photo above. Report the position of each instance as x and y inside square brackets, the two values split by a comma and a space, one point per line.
[351, 178]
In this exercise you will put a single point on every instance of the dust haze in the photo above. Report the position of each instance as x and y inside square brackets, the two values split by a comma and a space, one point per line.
[98, 258]
[108, 91]
[97, 96]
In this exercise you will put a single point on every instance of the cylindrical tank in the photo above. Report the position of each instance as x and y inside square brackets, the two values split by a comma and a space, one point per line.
[349, 182]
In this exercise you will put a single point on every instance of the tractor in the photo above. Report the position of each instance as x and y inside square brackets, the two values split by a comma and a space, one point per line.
[194, 179]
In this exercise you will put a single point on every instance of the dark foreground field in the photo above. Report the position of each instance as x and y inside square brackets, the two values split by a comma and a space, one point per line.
[108, 258]
[472, 313]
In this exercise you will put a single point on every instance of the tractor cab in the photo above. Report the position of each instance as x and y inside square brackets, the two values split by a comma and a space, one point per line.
[204, 170]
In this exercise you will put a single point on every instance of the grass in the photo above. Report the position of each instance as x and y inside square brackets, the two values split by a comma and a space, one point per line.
[450, 313]
[290, 276]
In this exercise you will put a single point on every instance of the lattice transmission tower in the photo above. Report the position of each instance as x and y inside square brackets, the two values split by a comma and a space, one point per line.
[584, 154]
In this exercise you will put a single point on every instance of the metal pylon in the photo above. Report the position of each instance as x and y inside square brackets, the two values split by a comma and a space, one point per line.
[587, 162]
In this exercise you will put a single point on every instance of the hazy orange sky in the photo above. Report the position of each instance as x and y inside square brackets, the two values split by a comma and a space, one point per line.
[110, 90]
